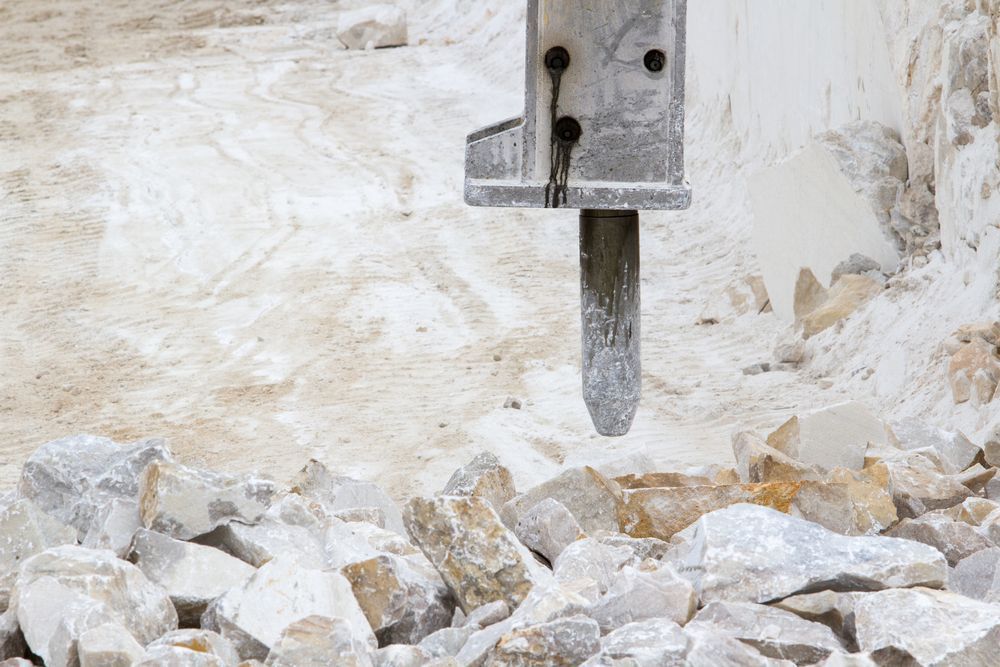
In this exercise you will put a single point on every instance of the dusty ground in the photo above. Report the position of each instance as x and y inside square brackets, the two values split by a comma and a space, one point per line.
[218, 227]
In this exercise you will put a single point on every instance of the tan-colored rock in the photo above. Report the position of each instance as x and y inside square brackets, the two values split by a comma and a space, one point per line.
[403, 600]
[971, 358]
[917, 490]
[870, 493]
[565, 642]
[987, 331]
[845, 297]
[653, 480]
[108, 645]
[372, 26]
[281, 592]
[757, 462]
[809, 294]
[834, 437]
[478, 558]
[590, 496]
[483, 476]
[973, 511]
[955, 539]
[184, 502]
[192, 574]
[548, 528]
[318, 641]
[984, 387]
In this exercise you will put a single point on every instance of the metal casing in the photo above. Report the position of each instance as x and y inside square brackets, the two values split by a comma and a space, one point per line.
[630, 154]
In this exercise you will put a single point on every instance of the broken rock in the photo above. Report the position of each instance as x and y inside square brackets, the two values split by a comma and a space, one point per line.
[592, 559]
[184, 502]
[644, 644]
[954, 450]
[108, 645]
[846, 296]
[318, 641]
[789, 555]
[934, 627]
[649, 590]
[336, 493]
[402, 601]
[485, 477]
[372, 27]
[835, 437]
[773, 632]
[11, 639]
[26, 530]
[548, 528]
[978, 576]
[192, 575]
[202, 643]
[114, 524]
[955, 539]
[757, 462]
[971, 358]
[590, 496]
[281, 592]
[477, 557]
[561, 643]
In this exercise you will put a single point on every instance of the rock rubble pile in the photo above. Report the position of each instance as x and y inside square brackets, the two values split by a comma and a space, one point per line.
[835, 540]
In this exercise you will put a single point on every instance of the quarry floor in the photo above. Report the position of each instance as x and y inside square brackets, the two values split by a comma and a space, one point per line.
[218, 227]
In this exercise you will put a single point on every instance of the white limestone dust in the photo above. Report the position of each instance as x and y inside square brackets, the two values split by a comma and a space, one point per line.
[222, 228]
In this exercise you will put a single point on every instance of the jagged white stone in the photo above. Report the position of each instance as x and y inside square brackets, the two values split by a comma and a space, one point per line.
[317, 641]
[590, 496]
[108, 645]
[281, 592]
[185, 502]
[195, 640]
[192, 574]
[548, 528]
[26, 530]
[565, 641]
[789, 555]
[335, 493]
[483, 476]
[373, 26]
[113, 526]
[648, 590]
[592, 559]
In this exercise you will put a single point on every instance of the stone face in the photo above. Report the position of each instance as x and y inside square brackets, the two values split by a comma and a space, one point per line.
[317, 641]
[773, 632]
[955, 539]
[809, 294]
[71, 477]
[645, 644]
[649, 590]
[832, 609]
[975, 356]
[708, 647]
[372, 27]
[548, 528]
[269, 539]
[447, 642]
[564, 642]
[954, 450]
[917, 489]
[67, 590]
[977, 577]
[790, 555]
[846, 296]
[184, 502]
[935, 627]
[757, 462]
[485, 477]
[400, 655]
[403, 601]
[873, 508]
[337, 493]
[114, 524]
[834, 437]
[346, 543]
[590, 496]
[488, 614]
[825, 204]
[279, 593]
[477, 557]
[26, 530]
[192, 575]
[108, 645]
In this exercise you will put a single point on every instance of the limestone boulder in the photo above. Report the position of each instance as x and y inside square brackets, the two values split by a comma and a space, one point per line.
[192, 574]
[773, 632]
[192, 646]
[372, 27]
[955, 451]
[65, 591]
[593, 499]
[934, 627]
[403, 600]
[108, 645]
[834, 437]
[648, 590]
[185, 502]
[847, 296]
[565, 642]
[26, 530]
[282, 591]
[955, 539]
[478, 558]
[71, 477]
[548, 528]
[401, 655]
[339, 493]
[789, 555]
[317, 641]
[114, 524]
[592, 559]
[11, 640]
[447, 642]
[978, 576]
[643, 644]
[757, 462]
[975, 357]
[918, 489]
[833, 609]
[485, 477]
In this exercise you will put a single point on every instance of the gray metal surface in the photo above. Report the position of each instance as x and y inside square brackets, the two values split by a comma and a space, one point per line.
[610, 316]
[631, 151]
